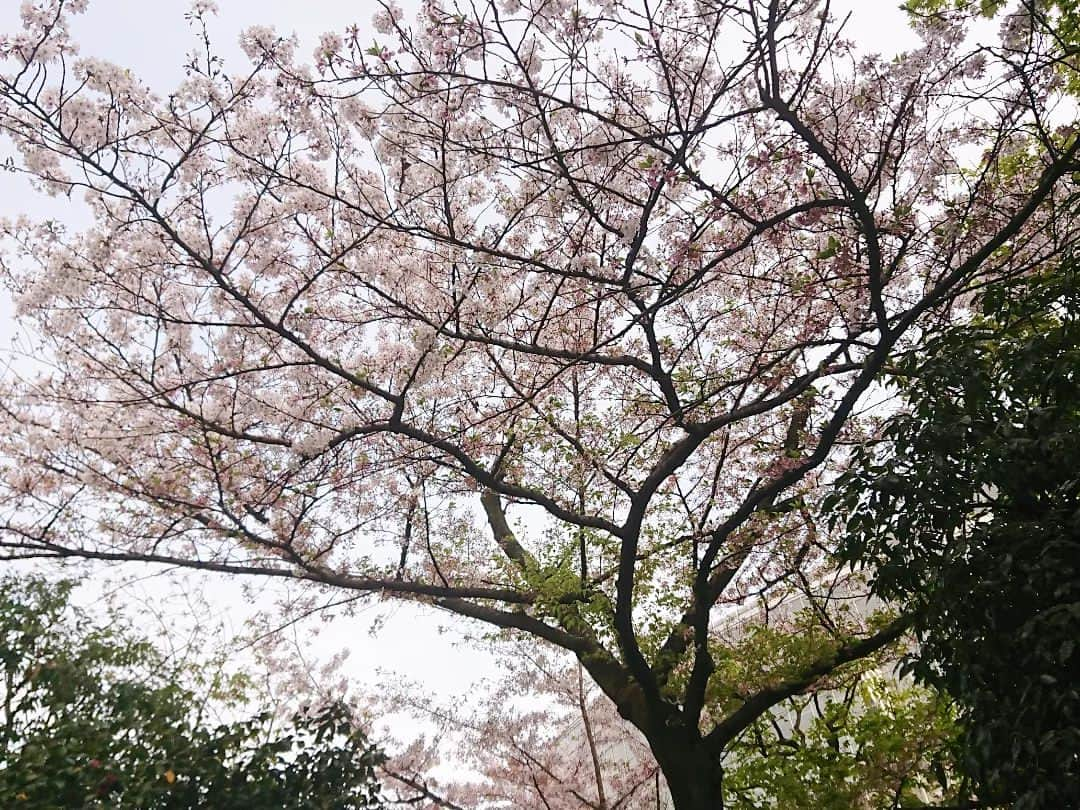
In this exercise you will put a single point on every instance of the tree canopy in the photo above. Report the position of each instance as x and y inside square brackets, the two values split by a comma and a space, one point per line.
[557, 316]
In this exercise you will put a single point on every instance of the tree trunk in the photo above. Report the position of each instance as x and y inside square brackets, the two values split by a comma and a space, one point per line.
[694, 777]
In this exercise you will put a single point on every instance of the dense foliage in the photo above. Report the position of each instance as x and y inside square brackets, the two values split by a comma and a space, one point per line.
[876, 743]
[972, 515]
[92, 715]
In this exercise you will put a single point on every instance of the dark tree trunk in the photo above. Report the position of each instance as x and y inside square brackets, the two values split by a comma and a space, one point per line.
[694, 776]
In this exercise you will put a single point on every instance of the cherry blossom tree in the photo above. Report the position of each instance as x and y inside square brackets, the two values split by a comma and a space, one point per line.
[558, 744]
[554, 315]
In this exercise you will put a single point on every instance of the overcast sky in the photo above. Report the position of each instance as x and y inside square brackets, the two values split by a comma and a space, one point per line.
[152, 38]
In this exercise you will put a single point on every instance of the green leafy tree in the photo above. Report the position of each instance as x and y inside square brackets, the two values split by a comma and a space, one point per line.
[972, 516]
[93, 715]
[875, 743]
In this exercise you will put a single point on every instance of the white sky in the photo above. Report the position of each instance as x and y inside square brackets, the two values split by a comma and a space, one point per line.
[152, 39]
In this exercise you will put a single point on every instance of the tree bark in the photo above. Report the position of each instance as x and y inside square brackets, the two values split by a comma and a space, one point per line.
[694, 775]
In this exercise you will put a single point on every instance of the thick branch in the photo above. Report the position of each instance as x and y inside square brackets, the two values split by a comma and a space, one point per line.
[502, 532]
[755, 706]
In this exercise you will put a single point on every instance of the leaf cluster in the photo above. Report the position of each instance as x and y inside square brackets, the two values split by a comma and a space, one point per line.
[876, 744]
[95, 716]
[971, 515]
